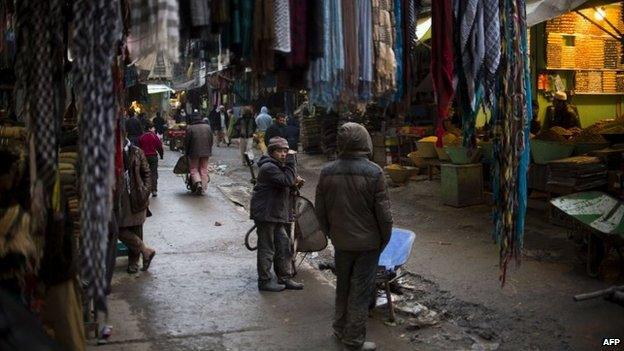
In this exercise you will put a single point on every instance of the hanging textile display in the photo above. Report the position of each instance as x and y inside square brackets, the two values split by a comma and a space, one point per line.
[383, 40]
[365, 49]
[350, 29]
[442, 60]
[263, 59]
[281, 16]
[299, 28]
[491, 18]
[398, 48]
[511, 120]
[97, 31]
[325, 77]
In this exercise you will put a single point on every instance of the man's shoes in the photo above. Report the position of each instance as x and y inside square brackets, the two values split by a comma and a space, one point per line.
[133, 268]
[154, 193]
[291, 284]
[366, 346]
[147, 259]
[198, 189]
[271, 286]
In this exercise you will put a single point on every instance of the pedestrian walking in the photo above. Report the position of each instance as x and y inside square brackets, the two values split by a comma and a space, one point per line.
[198, 146]
[133, 207]
[277, 129]
[219, 121]
[133, 127]
[263, 122]
[231, 124]
[352, 206]
[152, 148]
[159, 124]
[270, 209]
[244, 129]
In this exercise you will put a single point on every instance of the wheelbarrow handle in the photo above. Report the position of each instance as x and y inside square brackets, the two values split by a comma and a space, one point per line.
[597, 294]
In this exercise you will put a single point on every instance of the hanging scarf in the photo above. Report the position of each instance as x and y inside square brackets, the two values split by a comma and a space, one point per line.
[96, 33]
[442, 60]
[398, 48]
[383, 41]
[281, 16]
[491, 19]
[365, 49]
[511, 121]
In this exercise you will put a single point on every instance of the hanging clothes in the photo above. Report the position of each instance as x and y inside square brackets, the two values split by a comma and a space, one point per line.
[365, 49]
[442, 60]
[491, 18]
[398, 48]
[281, 26]
[299, 29]
[383, 40]
[246, 24]
[263, 37]
[350, 28]
[95, 37]
[315, 29]
[325, 77]
[511, 120]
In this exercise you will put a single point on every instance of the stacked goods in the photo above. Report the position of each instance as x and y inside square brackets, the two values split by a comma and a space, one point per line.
[595, 82]
[611, 53]
[568, 54]
[583, 53]
[310, 132]
[329, 131]
[581, 82]
[557, 134]
[553, 50]
[619, 82]
[608, 82]
[597, 53]
[576, 174]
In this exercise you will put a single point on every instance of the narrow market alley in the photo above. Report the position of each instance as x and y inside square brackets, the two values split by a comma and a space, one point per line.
[201, 290]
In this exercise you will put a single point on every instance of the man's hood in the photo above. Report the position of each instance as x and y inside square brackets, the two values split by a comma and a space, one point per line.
[354, 141]
[267, 159]
[264, 110]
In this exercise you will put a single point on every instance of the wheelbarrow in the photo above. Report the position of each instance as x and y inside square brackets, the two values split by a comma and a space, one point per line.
[597, 225]
[392, 258]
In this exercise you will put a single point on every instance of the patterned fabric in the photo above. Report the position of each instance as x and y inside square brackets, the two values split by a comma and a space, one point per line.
[155, 29]
[491, 19]
[511, 121]
[97, 31]
[325, 77]
[282, 26]
[365, 48]
[263, 59]
[350, 29]
[398, 48]
[442, 60]
[383, 40]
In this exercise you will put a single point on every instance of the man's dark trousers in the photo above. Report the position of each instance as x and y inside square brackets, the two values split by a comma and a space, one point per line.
[273, 246]
[355, 272]
[153, 165]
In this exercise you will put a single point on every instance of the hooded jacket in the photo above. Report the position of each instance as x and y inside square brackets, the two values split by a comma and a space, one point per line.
[263, 120]
[270, 201]
[198, 142]
[352, 202]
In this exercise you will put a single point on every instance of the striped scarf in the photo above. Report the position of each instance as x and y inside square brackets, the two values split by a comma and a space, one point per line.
[97, 31]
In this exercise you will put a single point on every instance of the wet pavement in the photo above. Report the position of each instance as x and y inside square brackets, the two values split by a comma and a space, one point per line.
[201, 290]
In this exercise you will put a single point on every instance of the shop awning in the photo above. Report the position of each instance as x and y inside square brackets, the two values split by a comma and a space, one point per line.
[158, 88]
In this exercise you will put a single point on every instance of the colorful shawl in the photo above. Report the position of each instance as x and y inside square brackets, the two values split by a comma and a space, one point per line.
[442, 60]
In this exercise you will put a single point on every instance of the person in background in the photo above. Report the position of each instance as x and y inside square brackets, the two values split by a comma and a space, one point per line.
[244, 129]
[143, 119]
[263, 122]
[353, 207]
[292, 133]
[219, 123]
[561, 113]
[135, 189]
[535, 122]
[270, 209]
[159, 124]
[231, 123]
[277, 129]
[152, 148]
[198, 146]
[134, 129]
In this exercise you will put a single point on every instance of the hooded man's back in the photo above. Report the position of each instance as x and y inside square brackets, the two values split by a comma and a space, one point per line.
[263, 120]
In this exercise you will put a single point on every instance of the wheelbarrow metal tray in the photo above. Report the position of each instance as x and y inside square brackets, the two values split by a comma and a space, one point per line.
[597, 210]
[398, 250]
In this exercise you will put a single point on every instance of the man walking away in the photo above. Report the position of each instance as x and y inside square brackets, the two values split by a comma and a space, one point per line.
[270, 209]
[198, 146]
[135, 190]
[263, 122]
[159, 124]
[277, 129]
[244, 129]
[152, 148]
[352, 206]
[219, 124]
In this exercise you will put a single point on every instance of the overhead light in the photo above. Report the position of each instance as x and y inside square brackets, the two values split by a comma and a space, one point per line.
[158, 88]
[600, 14]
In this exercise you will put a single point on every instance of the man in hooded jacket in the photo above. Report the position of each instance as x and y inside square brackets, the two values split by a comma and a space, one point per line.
[263, 122]
[352, 206]
[270, 209]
